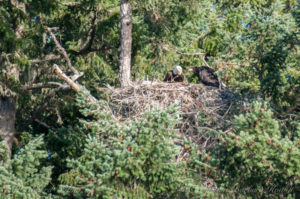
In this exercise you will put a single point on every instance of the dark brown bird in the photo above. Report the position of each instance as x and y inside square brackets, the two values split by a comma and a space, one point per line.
[206, 75]
[174, 75]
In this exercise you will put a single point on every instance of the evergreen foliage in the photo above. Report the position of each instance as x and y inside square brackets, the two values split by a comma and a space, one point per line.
[70, 147]
[25, 176]
[263, 54]
[256, 159]
[133, 159]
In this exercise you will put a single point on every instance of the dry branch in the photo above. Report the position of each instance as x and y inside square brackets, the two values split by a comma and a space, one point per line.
[75, 86]
[45, 59]
[42, 85]
[65, 55]
[196, 54]
[191, 54]
[63, 76]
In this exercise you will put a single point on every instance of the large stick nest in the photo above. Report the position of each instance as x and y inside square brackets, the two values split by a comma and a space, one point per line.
[203, 110]
[197, 102]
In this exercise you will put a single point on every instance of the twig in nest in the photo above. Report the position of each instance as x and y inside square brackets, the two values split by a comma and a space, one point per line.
[205, 143]
[227, 110]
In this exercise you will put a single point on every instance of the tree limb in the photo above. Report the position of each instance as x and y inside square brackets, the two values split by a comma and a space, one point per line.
[45, 104]
[45, 59]
[64, 53]
[190, 54]
[203, 59]
[43, 123]
[42, 85]
[91, 35]
[195, 54]
[76, 87]
[71, 3]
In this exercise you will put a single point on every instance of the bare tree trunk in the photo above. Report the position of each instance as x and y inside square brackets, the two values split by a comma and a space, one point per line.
[7, 121]
[8, 106]
[126, 41]
[7, 100]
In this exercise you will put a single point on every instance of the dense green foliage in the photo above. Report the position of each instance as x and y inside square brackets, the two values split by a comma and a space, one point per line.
[133, 159]
[24, 175]
[69, 147]
[256, 151]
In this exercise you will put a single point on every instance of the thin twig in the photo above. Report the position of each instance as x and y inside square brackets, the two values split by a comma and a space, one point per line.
[203, 59]
[191, 54]
[227, 110]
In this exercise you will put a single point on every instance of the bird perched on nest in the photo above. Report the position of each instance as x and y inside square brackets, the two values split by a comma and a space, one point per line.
[206, 75]
[174, 75]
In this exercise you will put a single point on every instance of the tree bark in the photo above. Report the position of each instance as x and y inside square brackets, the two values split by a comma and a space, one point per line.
[7, 121]
[7, 100]
[8, 107]
[126, 41]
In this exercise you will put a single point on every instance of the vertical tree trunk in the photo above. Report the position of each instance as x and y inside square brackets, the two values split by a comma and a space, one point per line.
[8, 106]
[7, 120]
[7, 100]
[126, 41]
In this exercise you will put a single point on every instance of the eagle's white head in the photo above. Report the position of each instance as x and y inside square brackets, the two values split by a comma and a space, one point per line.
[177, 70]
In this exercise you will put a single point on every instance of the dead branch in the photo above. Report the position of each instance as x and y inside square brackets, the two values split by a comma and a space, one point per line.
[203, 59]
[45, 59]
[71, 3]
[59, 119]
[196, 54]
[191, 54]
[76, 87]
[64, 54]
[42, 85]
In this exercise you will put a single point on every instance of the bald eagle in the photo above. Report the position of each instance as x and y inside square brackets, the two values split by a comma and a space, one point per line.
[206, 75]
[174, 75]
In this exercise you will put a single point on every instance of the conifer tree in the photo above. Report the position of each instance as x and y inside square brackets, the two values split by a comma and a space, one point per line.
[134, 159]
[255, 159]
[25, 176]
